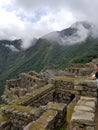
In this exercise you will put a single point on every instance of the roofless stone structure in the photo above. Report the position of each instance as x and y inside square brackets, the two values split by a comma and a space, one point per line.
[32, 102]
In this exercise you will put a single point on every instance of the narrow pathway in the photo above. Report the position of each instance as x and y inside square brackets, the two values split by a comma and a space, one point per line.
[96, 117]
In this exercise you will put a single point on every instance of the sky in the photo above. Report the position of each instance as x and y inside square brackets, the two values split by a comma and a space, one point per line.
[28, 19]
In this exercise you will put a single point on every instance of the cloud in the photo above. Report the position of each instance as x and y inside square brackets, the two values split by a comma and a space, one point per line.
[79, 36]
[12, 48]
[81, 9]
[78, 33]
[27, 19]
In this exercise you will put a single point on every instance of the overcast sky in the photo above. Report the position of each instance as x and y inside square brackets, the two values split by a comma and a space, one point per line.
[35, 18]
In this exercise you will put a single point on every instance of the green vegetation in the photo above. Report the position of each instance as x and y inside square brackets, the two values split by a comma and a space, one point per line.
[69, 115]
[0, 109]
[20, 108]
[42, 121]
[44, 54]
[66, 78]
[2, 117]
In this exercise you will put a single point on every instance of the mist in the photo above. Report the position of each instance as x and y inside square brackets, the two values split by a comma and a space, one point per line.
[12, 47]
[26, 20]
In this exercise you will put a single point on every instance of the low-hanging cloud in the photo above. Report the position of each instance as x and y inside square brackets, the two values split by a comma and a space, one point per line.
[79, 33]
[79, 36]
[33, 18]
[12, 47]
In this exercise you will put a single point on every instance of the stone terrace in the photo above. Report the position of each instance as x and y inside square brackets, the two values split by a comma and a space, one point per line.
[47, 102]
[44, 105]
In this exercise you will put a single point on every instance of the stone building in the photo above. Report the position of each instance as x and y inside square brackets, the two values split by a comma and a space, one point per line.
[34, 103]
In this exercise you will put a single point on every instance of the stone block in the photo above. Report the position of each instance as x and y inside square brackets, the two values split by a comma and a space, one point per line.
[83, 116]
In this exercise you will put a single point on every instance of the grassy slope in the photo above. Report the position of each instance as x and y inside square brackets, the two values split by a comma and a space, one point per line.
[46, 54]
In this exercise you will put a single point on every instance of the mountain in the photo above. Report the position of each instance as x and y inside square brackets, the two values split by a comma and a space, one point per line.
[54, 50]
[77, 33]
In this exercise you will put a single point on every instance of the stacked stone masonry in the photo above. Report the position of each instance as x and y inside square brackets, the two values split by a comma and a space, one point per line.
[83, 117]
[32, 107]
[85, 88]
[26, 83]
[33, 103]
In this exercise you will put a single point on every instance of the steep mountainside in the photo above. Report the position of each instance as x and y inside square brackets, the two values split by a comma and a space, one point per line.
[46, 53]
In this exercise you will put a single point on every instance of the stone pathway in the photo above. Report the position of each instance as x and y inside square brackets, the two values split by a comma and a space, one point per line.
[96, 118]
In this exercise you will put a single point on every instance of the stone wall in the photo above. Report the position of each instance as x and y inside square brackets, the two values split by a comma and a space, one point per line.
[63, 90]
[5, 125]
[85, 88]
[45, 105]
[41, 96]
[29, 108]
[19, 119]
[52, 119]
[60, 92]
[26, 83]
[81, 69]
[83, 117]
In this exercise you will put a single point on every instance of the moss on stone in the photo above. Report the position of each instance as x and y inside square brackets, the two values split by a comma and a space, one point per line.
[55, 105]
[41, 123]
[65, 78]
[20, 108]
[3, 118]
[70, 111]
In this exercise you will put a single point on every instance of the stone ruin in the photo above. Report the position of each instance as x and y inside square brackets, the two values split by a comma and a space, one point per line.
[80, 69]
[26, 83]
[32, 102]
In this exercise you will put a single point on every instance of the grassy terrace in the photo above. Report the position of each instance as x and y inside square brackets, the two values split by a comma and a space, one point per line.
[66, 78]
[41, 123]
[2, 117]
[20, 108]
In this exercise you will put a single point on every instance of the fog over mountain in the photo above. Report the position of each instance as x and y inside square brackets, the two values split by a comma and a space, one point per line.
[22, 19]
[77, 33]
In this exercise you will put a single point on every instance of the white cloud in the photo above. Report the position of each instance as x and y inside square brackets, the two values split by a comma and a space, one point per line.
[12, 48]
[27, 19]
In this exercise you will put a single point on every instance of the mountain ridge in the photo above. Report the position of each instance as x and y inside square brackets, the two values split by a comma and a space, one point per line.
[45, 53]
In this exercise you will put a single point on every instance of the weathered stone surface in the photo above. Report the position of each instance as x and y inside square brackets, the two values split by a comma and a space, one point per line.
[78, 87]
[41, 105]
[45, 122]
[26, 82]
[90, 83]
[84, 114]
[87, 101]
[56, 106]
[83, 117]
[5, 125]
[84, 108]
[86, 88]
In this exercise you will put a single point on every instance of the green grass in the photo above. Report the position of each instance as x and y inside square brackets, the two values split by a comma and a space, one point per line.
[20, 108]
[2, 117]
[66, 78]
[69, 115]
[0, 109]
